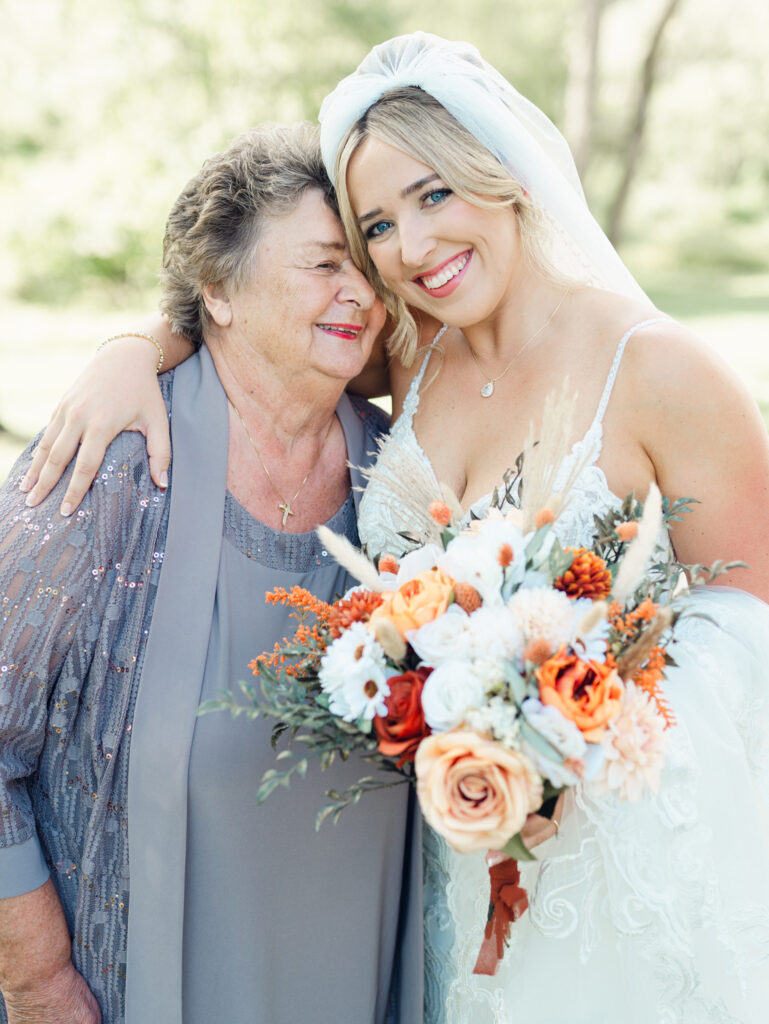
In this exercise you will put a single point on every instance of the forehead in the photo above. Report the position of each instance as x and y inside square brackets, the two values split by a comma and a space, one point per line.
[312, 224]
[378, 170]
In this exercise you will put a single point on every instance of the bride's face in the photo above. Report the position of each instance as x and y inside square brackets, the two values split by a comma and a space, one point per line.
[456, 261]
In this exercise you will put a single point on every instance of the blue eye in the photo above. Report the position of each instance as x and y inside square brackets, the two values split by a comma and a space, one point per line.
[378, 229]
[436, 196]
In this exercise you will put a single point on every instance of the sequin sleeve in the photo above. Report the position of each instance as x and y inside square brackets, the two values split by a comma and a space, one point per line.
[57, 584]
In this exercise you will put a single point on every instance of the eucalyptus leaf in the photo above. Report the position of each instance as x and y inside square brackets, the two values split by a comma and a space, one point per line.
[517, 849]
[538, 741]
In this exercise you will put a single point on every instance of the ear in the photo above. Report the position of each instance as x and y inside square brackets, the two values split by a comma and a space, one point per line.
[218, 303]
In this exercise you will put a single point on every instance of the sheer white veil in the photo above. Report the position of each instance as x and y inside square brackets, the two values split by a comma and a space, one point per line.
[519, 135]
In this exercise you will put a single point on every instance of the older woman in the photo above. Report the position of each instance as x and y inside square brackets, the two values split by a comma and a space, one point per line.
[140, 880]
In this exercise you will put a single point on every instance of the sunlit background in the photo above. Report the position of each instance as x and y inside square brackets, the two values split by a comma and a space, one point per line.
[106, 109]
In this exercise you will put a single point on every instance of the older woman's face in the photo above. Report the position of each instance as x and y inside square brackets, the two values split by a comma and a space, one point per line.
[307, 306]
[439, 253]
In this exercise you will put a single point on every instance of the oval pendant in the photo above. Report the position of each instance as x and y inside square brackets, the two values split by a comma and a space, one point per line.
[488, 389]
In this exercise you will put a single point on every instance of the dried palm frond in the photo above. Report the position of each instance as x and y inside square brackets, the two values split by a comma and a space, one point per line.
[411, 488]
[639, 551]
[350, 558]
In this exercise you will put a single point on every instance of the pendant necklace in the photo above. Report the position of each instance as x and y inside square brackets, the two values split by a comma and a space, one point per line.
[284, 506]
[488, 388]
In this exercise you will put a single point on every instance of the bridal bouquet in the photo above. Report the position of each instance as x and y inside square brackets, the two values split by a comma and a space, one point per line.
[495, 668]
[492, 666]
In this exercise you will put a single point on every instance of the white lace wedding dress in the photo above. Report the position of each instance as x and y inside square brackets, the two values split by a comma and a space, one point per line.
[648, 913]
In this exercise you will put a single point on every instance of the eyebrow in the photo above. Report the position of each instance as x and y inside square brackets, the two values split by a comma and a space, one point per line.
[326, 246]
[407, 191]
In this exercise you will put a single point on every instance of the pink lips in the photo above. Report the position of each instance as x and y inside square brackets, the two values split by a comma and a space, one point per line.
[445, 289]
[346, 331]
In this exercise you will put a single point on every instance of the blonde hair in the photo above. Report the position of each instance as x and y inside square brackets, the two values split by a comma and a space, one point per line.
[213, 229]
[415, 122]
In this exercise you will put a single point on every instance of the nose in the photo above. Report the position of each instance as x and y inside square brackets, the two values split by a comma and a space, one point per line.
[354, 288]
[417, 244]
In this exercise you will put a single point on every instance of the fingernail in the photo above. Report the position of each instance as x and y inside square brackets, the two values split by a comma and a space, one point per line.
[66, 509]
[24, 484]
[164, 479]
[31, 499]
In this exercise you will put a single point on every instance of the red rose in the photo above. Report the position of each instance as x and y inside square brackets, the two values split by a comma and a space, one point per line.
[401, 730]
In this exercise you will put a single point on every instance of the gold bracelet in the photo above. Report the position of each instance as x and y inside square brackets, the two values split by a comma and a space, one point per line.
[138, 334]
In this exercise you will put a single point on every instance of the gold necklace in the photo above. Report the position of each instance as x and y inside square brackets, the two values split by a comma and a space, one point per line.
[488, 388]
[283, 505]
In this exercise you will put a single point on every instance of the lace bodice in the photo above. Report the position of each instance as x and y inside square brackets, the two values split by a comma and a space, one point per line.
[383, 517]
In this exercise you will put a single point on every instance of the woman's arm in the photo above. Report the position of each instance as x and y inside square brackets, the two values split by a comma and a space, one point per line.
[117, 391]
[37, 977]
[707, 440]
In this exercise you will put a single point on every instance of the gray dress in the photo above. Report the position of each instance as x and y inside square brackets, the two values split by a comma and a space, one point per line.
[280, 918]
[105, 642]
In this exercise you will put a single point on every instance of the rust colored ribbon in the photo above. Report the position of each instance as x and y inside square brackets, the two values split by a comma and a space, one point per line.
[507, 903]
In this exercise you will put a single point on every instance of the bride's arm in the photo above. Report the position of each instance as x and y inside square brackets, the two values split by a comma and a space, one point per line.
[116, 391]
[706, 440]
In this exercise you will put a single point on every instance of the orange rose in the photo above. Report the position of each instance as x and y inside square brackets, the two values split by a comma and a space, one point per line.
[419, 601]
[588, 693]
[473, 791]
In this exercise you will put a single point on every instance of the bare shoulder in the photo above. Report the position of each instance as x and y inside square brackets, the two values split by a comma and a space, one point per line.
[671, 368]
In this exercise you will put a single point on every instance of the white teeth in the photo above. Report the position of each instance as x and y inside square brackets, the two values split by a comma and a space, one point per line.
[445, 275]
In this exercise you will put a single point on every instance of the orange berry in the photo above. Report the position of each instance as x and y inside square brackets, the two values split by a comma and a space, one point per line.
[388, 564]
[505, 556]
[537, 650]
[467, 597]
[626, 531]
[440, 512]
[544, 516]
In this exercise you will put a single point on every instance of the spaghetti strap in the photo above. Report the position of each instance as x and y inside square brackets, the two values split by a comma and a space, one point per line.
[609, 386]
[411, 401]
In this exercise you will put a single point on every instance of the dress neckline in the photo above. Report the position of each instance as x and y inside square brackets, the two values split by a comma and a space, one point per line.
[592, 437]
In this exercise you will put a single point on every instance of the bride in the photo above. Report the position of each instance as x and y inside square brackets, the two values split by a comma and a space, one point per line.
[462, 204]
[461, 201]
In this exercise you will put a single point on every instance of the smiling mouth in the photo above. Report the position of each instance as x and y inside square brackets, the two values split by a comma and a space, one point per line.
[348, 331]
[446, 273]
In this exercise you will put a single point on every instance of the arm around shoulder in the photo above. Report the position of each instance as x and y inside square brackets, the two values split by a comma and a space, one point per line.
[116, 391]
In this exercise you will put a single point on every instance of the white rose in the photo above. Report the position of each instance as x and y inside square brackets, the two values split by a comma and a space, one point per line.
[449, 692]
[420, 560]
[444, 639]
[470, 559]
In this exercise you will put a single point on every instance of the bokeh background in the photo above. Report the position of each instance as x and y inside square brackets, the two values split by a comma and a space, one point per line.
[106, 109]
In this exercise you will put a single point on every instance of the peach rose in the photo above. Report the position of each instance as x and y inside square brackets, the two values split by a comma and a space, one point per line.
[587, 693]
[473, 791]
[417, 602]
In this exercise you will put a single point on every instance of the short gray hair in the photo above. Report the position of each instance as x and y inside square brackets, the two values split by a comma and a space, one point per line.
[213, 228]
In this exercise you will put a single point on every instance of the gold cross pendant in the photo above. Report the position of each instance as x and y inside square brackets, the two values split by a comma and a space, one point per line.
[285, 508]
